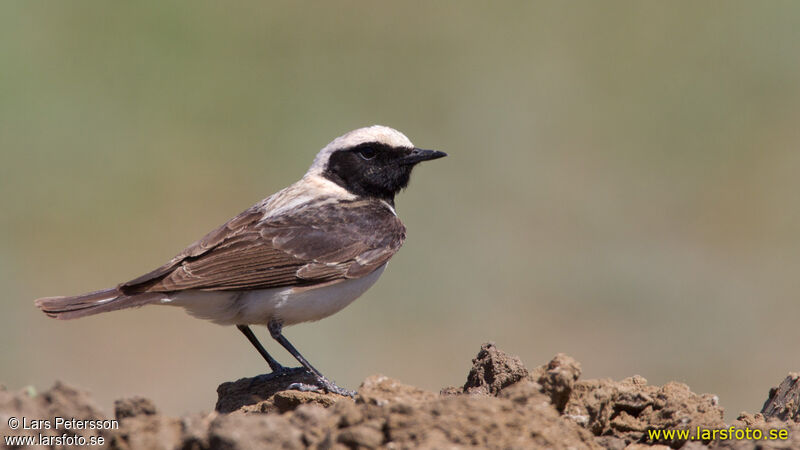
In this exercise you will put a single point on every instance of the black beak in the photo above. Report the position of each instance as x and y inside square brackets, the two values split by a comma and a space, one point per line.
[418, 155]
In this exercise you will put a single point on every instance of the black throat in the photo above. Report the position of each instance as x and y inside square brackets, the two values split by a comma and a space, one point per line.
[370, 170]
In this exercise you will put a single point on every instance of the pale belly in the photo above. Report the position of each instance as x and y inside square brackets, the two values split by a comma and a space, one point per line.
[289, 305]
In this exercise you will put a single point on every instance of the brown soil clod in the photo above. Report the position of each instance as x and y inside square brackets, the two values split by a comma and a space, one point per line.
[558, 378]
[134, 406]
[61, 400]
[492, 370]
[502, 405]
[783, 402]
[258, 394]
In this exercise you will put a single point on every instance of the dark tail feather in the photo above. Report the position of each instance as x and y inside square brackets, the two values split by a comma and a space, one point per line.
[93, 303]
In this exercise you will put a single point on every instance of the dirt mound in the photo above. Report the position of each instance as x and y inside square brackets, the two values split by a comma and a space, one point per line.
[33, 415]
[501, 405]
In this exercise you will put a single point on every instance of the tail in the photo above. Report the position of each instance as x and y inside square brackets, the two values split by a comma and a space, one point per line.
[93, 303]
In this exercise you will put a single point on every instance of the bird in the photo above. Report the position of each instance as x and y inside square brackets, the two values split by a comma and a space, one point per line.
[299, 255]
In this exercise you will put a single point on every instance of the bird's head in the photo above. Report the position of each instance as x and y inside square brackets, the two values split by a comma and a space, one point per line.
[373, 161]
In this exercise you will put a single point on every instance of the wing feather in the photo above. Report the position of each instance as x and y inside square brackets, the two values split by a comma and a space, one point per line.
[314, 243]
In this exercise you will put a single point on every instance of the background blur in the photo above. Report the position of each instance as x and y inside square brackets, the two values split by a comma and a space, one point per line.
[622, 184]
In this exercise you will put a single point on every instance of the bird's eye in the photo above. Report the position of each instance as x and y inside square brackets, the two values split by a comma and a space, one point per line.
[367, 153]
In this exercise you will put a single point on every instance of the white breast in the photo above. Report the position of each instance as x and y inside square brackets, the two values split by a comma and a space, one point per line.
[290, 305]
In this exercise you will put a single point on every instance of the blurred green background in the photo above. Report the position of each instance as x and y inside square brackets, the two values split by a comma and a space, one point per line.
[622, 184]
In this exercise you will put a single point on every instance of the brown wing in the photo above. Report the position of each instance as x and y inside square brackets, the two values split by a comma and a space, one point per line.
[317, 242]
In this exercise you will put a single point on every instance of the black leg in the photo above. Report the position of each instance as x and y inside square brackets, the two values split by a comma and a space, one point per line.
[248, 333]
[275, 328]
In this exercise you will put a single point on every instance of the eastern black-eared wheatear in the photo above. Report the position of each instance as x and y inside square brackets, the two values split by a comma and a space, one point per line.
[299, 255]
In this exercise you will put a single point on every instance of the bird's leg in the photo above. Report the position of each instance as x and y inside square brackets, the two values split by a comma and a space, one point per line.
[277, 368]
[275, 328]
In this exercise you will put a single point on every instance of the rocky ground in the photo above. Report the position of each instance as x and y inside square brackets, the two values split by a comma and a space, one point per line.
[501, 405]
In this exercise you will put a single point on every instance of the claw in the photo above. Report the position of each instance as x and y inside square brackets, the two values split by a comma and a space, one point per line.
[304, 387]
[324, 385]
[331, 387]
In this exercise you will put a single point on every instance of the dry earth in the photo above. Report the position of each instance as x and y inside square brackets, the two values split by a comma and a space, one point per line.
[501, 405]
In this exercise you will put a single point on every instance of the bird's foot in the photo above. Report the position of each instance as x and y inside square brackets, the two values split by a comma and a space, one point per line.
[323, 384]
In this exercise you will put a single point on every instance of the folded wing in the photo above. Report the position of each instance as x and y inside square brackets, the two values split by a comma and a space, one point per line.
[316, 242]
